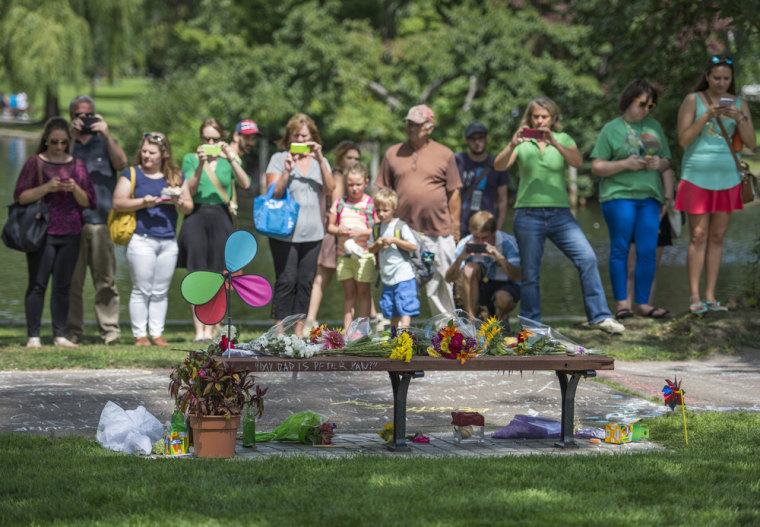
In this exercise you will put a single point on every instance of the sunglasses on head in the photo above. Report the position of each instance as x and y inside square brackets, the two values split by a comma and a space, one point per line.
[154, 137]
[721, 60]
[649, 105]
[58, 141]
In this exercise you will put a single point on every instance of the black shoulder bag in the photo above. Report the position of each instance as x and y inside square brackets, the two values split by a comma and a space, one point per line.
[27, 225]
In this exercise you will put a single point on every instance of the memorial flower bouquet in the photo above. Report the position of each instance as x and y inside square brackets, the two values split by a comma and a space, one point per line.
[285, 346]
[451, 343]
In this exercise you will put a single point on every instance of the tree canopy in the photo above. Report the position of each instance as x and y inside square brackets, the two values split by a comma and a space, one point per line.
[356, 67]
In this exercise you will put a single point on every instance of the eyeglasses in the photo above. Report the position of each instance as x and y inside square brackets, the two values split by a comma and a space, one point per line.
[154, 137]
[721, 60]
[58, 141]
[649, 105]
[209, 139]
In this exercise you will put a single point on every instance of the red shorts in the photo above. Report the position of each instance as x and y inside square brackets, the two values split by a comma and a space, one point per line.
[697, 200]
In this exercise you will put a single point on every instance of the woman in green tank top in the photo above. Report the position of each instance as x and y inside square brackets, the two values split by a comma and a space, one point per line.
[710, 187]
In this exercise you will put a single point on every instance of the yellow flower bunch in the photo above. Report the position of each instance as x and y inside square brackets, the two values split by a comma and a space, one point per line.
[404, 348]
[387, 433]
[488, 331]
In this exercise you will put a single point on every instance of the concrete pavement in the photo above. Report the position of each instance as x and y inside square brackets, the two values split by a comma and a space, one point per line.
[70, 401]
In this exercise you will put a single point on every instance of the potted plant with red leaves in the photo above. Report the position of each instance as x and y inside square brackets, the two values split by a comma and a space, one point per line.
[214, 393]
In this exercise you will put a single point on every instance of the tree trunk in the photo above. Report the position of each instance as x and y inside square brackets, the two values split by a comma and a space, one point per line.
[51, 103]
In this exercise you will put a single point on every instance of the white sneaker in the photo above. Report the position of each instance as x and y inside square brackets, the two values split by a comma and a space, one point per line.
[379, 323]
[64, 342]
[34, 342]
[609, 325]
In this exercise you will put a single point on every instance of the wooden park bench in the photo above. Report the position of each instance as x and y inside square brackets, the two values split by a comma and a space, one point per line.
[569, 370]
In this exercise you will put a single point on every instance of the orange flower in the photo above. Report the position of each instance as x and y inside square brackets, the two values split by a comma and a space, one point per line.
[448, 331]
[524, 335]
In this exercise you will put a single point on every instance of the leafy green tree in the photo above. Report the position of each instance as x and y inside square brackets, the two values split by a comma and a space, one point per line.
[43, 44]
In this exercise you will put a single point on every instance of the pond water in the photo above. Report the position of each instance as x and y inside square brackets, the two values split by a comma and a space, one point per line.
[560, 287]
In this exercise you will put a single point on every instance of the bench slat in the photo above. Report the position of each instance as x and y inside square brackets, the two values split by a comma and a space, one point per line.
[487, 363]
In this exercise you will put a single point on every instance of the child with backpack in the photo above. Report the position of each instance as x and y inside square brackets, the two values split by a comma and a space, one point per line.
[351, 220]
[390, 237]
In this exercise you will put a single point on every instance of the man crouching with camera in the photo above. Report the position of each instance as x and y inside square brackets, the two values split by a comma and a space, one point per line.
[104, 158]
[490, 265]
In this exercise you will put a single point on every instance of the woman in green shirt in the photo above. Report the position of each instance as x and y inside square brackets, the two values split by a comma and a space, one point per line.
[211, 172]
[543, 152]
[629, 155]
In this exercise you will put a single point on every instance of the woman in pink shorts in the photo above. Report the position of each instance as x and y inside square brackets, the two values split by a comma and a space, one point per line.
[710, 187]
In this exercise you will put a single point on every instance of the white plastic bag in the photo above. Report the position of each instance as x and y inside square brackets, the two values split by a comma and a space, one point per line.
[130, 431]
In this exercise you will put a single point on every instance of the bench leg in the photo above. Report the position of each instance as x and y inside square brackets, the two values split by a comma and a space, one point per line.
[400, 383]
[567, 388]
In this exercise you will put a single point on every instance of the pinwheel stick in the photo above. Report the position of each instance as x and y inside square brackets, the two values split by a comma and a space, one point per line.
[228, 279]
[683, 411]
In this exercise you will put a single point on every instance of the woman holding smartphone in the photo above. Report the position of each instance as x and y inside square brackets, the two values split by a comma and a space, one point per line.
[159, 193]
[629, 155]
[710, 187]
[62, 182]
[542, 210]
[304, 171]
[213, 172]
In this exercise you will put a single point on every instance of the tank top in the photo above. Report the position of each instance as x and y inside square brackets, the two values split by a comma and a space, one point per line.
[707, 161]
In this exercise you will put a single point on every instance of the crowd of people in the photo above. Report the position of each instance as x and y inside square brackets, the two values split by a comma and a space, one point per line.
[426, 200]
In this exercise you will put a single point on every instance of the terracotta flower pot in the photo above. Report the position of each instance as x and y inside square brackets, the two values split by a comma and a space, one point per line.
[214, 435]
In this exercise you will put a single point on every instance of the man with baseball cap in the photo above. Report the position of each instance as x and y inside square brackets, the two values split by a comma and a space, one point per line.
[483, 188]
[243, 141]
[424, 174]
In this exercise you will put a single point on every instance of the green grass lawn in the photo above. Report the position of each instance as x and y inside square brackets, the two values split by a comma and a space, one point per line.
[715, 480]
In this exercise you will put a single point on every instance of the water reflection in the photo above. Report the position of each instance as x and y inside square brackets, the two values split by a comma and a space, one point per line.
[560, 287]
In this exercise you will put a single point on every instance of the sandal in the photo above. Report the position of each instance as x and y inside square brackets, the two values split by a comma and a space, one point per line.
[715, 306]
[663, 314]
[697, 309]
[623, 313]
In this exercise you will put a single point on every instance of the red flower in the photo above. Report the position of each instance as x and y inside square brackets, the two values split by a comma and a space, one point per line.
[225, 343]
[456, 342]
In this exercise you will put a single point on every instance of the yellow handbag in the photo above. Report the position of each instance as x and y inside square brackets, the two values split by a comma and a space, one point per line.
[122, 225]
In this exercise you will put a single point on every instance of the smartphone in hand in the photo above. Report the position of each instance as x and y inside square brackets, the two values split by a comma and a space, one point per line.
[532, 133]
[212, 150]
[475, 248]
[299, 148]
[725, 102]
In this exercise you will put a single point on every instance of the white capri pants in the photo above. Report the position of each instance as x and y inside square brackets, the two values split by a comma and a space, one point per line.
[151, 267]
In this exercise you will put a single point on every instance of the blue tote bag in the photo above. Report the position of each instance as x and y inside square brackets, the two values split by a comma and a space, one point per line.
[275, 217]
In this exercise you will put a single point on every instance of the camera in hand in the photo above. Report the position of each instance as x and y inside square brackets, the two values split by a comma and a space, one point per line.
[475, 248]
[533, 133]
[87, 122]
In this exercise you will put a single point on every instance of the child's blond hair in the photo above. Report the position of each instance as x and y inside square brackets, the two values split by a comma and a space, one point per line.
[482, 221]
[357, 169]
[386, 196]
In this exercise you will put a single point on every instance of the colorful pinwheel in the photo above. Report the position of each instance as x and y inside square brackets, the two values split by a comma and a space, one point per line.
[672, 393]
[209, 292]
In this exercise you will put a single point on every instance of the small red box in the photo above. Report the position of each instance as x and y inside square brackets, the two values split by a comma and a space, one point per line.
[467, 419]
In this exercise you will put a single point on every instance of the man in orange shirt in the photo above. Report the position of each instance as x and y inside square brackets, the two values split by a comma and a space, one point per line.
[424, 174]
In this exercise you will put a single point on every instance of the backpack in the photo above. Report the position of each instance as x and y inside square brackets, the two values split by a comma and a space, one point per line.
[369, 211]
[421, 259]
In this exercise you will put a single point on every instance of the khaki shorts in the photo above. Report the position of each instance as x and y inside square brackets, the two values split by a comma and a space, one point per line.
[360, 269]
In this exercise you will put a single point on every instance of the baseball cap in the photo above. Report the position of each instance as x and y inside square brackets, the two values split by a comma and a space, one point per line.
[247, 127]
[420, 114]
[475, 127]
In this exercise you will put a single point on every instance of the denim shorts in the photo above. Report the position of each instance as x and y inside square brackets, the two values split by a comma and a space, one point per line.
[400, 300]
[488, 289]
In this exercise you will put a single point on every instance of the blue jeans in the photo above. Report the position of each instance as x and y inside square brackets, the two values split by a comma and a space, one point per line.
[532, 226]
[637, 221]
